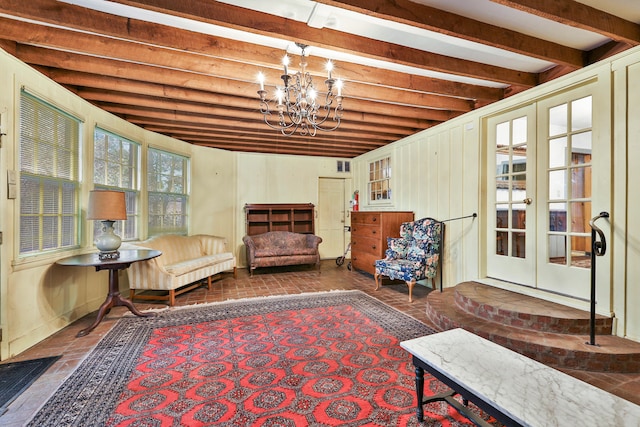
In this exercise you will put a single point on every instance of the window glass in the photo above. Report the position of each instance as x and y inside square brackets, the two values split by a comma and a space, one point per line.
[49, 148]
[116, 167]
[167, 186]
[380, 180]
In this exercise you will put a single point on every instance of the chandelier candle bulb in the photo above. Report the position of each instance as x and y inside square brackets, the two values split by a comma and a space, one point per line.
[261, 80]
[285, 62]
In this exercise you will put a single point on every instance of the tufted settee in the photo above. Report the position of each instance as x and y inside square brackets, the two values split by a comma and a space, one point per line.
[184, 262]
[277, 248]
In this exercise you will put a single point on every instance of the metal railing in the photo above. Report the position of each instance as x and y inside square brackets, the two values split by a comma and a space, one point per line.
[598, 248]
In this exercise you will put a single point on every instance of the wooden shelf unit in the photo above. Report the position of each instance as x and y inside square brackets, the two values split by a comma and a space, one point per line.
[295, 217]
[369, 232]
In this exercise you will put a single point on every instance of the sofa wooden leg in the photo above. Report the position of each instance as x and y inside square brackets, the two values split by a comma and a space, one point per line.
[209, 283]
[172, 297]
[411, 284]
[235, 272]
[132, 294]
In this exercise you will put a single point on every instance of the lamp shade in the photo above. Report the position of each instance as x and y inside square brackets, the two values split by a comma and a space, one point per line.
[107, 205]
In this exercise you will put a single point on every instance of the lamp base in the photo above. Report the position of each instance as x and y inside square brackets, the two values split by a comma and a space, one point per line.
[102, 256]
[108, 242]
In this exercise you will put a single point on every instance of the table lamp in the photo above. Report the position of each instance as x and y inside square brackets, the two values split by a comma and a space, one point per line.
[107, 206]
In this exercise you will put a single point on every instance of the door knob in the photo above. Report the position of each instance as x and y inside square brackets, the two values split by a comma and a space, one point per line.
[527, 201]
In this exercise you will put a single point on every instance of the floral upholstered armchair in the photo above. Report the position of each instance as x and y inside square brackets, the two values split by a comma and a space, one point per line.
[413, 256]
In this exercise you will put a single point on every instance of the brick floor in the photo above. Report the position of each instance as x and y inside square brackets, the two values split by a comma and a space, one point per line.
[265, 282]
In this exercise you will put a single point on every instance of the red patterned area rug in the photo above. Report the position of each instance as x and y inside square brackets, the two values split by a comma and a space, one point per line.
[321, 359]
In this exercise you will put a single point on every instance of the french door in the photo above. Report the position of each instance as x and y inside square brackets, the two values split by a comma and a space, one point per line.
[511, 196]
[540, 199]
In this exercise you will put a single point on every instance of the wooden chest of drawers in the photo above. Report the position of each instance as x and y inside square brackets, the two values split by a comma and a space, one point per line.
[369, 232]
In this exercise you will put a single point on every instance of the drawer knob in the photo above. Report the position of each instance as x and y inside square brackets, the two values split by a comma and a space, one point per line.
[373, 247]
[373, 232]
[374, 219]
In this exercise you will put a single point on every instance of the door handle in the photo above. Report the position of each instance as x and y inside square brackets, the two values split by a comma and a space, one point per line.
[527, 201]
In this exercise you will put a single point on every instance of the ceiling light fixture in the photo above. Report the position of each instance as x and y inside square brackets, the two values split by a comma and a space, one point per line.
[297, 106]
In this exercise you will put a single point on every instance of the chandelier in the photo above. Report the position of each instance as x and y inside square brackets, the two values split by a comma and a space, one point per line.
[297, 105]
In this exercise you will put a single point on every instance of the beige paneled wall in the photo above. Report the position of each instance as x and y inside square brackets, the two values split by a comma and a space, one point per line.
[213, 193]
[37, 297]
[278, 179]
[625, 218]
[434, 174]
[440, 172]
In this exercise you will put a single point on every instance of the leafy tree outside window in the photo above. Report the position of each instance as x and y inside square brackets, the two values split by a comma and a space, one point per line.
[116, 167]
[167, 185]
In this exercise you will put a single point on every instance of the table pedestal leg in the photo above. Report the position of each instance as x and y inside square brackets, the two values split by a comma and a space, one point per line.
[114, 299]
[419, 392]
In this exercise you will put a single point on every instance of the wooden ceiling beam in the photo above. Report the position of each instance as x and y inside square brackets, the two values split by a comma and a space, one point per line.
[137, 53]
[126, 110]
[74, 61]
[443, 22]
[53, 13]
[362, 140]
[345, 149]
[81, 79]
[277, 149]
[255, 118]
[273, 26]
[231, 143]
[580, 15]
[99, 95]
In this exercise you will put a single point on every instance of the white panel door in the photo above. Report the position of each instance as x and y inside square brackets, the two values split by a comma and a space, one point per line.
[331, 217]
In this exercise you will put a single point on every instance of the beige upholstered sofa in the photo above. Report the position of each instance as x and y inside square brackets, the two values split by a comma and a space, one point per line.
[184, 262]
[277, 248]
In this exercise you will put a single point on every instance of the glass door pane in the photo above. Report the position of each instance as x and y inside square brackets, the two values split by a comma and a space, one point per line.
[511, 238]
[569, 183]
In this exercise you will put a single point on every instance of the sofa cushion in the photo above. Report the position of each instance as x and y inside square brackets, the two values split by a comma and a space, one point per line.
[275, 252]
[175, 248]
[190, 265]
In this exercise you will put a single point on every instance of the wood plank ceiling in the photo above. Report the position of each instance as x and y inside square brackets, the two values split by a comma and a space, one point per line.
[201, 88]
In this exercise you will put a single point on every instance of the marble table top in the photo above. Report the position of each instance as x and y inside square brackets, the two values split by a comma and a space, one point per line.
[527, 391]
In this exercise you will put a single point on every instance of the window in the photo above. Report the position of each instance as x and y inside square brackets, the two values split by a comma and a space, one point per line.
[380, 180]
[49, 177]
[116, 167]
[167, 185]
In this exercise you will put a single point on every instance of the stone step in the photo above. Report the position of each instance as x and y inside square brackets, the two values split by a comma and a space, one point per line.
[522, 311]
[562, 350]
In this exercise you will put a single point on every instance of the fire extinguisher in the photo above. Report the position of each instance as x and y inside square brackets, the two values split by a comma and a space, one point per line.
[355, 201]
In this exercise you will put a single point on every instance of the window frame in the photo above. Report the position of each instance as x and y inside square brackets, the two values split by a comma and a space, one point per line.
[128, 230]
[56, 133]
[167, 196]
[377, 196]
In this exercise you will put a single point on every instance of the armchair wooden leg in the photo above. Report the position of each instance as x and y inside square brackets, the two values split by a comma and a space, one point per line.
[375, 276]
[411, 284]
[209, 283]
[235, 272]
[172, 297]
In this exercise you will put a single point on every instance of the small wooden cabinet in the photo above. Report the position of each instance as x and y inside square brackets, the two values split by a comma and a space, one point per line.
[369, 232]
[296, 217]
